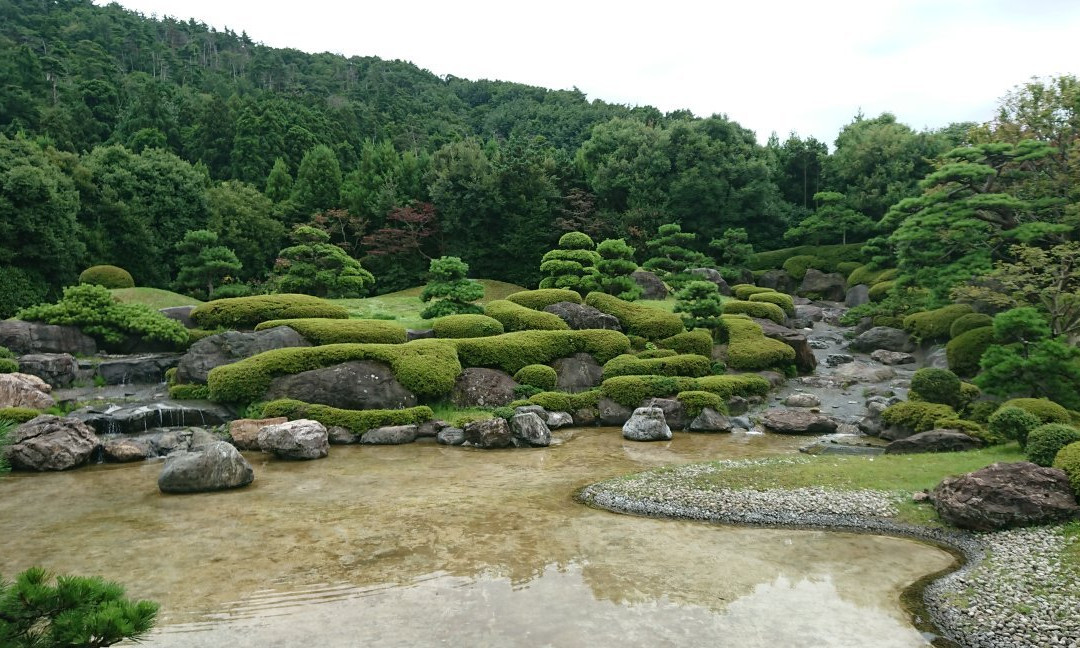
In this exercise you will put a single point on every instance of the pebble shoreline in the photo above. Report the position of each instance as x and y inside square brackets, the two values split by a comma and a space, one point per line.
[1011, 590]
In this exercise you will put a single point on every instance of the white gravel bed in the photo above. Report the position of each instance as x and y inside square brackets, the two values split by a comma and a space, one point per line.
[1012, 591]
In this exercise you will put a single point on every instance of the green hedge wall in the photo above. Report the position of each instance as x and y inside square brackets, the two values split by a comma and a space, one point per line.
[637, 319]
[338, 331]
[693, 366]
[356, 421]
[698, 342]
[763, 310]
[512, 351]
[515, 317]
[247, 312]
[467, 326]
[785, 302]
[541, 299]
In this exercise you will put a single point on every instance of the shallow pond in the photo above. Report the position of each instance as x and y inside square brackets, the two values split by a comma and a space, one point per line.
[422, 545]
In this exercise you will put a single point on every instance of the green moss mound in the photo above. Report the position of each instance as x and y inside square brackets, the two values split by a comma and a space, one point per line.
[1068, 461]
[935, 324]
[537, 375]
[18, 414]
[541, 299]
[880, 290]
[797, 265]
[109, 276]
[515, 317]
[467, 326]
[743, 291]
[511, 352]
[918, 415]
[1045, 441]
[189, 391]
[831, 256]
[763, 310]
[693, 366]
[564, 402]
[636, 319]
[656, 353]
[750, 350]
[694, 401]
[847, 267]
[780, 299]
[356, 421]
[336, 331]
[936, 386]
[1012, 424]
[964, 351]
[697, 342]
[630, 391]
[969, 322]
[247, 312]
[8, 365]
[729, 385]
[864, 274]
[1046, 410]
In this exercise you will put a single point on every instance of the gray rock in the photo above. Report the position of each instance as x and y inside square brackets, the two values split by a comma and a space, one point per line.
[837, 359]
[787, 421]
[489, 434]
[216, 466]
[356, 385]
[832, 447]
[934, 441]
[34, 337]
[883, 337]
[820, 285]
[245, 432]
[647, 424]
[24, 390]
[805, 362]
[892, 357]
[778, 280]
[451, 436]
[556, 420]
[809, 312]
[674, 412]
[126, 449]
[57, 369]
[737, 405]
[529, 429]
[713, 277]
[201, 437]
[652, 286]
[581, 317]
[1005, 495]
[585, 417]
[230, 346]
[741, 422]
[612, 413]
[338, 435]
[49, 442]
[299, 439]
[140, 369]
[577, 373]
[479, 387]
[857, 296]
[864, 372]
[418, 334]
[709, 420]
[936, 358]
[389, 435]
[140, 417]
[181, 314]
[534, 409]
[802, 399]
[430, 429]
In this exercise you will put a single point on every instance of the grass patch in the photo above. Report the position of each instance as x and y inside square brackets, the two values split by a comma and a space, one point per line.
[459, 416]
[153, 297]
[404, 306]
[1071, 555]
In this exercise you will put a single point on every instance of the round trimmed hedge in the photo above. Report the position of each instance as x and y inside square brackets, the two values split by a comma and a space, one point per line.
[1010, 423]
[1046, 410]
[466, 326]
[780, 299]
[935, 324]
[636, 319]
[743, 291]
[763, 310]
[797, 265]
[109, 276]
[515, 317]
[969, 322]
[1045, 441]
[248, 312]
[537, 375]
[936, 386]
[964, 351]
[541, 299]
[699, 342]
[693, 366]
[335, 331]
[1068, 461]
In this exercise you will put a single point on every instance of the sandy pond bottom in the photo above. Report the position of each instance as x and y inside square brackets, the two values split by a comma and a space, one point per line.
[425, 545]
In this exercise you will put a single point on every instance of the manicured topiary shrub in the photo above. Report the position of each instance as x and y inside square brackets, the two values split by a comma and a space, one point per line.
[847, 267]
[189, 391]
[18, 414]
[636, 319]
[755, 309]
[969, 393]
[541, 299]
[750, 350]
[1045, 441]
[109, 276]
[247, 312]
[449, 291]
[466, 326]
[780, 299]
[743, 291]
[629, 391]
[969, 322]
[964, 351]
[512, 351]
[935, 324]
[1046, 410]
[428, 368]
[981, 410]
[615, 266]
[830, 255]
[334, 331]
[936, 386]
[656, 353]
[700, 304]
[356, 421]
[537, 375]
[693, 366]
[730, 385]
[698, 342]
[797, 265]
[92, 308]
[880, 290]
[694, 401]
[572, 265]
[918, 415]
[1012, 423]
[564, 402]
[514, 317]
[1068, 461]
[870, 276]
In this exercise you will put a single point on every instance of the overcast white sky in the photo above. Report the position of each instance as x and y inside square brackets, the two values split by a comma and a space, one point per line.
[771, 65]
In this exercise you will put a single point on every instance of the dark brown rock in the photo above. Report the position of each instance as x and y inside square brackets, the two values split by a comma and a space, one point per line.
[181, 314]
[778, 280]
[479, 387]
[882, 337]
[139, 369]
[389, 435]
[805, 362]
[577, 373]
[57, 369]
[489, 434]
[216, 466]
[612, 413]
[819, 285]
[674, 412]
[124, 450]
[1005, 495]
[528, 429]
[358, 385]
[709, 420]
[857, 296]
[652, 286]
[245, 432]
[787, 421]
[934, 441]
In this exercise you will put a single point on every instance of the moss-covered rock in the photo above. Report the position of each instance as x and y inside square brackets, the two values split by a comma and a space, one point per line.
[637, 319]
[934, 325]
[541, 299]
[743, 291]
[729, 385]
[319, 330]
[247, 312]
[467, 326]
[797, 265]
[356, 421]
[698, 341]
[537, 375]
[515, 317]
[694, 401]
[692, 366]
[763, 310]
[964, 351]
[780, 299]
[512, 351]
[917, 416]
[750, 350]
[969, 322]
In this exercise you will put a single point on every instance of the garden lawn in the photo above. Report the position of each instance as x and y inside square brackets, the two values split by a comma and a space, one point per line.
[404, 306]
[153, 297]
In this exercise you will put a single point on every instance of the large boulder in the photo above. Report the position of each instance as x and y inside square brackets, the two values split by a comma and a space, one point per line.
[181, 314]
[882, 337]
[356, 385]
[245, 432]
[647, 424]
[778, 280]
[674, 412]
[826, 286]
[580, 317]
[577, 373]
[450, 436]
[147, 368]
[489, 434]
[528, 429]
[57, 369]
[390, 435]
[135, 418]
[789, 421]
[24, 390]
[805, 362]
[1005, 495]
[802, 399]
[610, 413]
[299, 439]
[713, 277]
[934, 441]
[652, 287]
[126, 449]
[49, 442]
[216, 466]
[479, 387]
[892, 357]
[35, 337]
[709, 420]
[857, 296]
[230, 346]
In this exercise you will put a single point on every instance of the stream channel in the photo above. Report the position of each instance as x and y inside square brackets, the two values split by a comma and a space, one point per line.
[423, 545]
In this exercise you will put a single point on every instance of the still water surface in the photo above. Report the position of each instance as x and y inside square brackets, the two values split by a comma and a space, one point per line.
[425, 545]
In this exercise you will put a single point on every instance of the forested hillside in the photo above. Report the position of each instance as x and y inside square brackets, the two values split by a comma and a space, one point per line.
[119, 135]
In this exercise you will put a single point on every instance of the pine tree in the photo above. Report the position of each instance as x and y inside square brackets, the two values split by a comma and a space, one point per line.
[452, 291]
[572, 265]
[314, 266]
[615, 266]
[203, 262]
[673, 257]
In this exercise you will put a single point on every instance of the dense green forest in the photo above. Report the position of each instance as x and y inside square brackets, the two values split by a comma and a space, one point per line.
[121, 134]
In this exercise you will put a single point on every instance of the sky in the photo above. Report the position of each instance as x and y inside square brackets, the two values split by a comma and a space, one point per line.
[771, 65]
